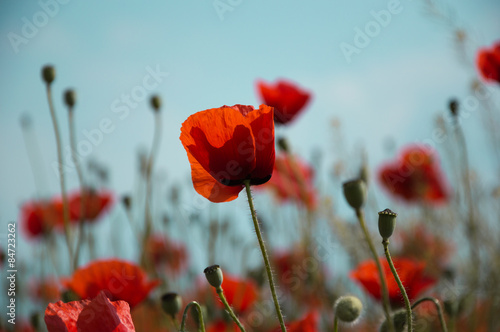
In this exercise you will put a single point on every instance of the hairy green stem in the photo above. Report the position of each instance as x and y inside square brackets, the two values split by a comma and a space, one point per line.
[383, 284]
[230, 311]
[264, 255]
[409, 320]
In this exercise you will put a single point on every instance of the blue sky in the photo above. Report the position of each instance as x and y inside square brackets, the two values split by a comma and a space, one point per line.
[394, 87]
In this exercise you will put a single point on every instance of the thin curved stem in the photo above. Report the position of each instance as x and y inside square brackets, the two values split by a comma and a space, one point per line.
[438, 307]
[264, 255]
[383, 282]
[230, 311]
[200, 316]
[83, 196]
[409, 320]
[67, 234]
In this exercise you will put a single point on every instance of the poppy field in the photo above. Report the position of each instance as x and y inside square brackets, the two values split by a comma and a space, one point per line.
[250, 227]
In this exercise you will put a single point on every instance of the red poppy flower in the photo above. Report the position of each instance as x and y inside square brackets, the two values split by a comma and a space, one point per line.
[241, 294]
[286, 98]
[39, 217]
[163, 251]
[121, 281]
[488, 63]
[410, 272]
[95, 204]
[292, 180]
[415, 177]
[100, 314]
[228, 145]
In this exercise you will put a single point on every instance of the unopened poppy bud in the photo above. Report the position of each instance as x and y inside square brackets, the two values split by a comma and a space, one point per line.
[355, 193]
[171, 303]
[48, 74]
[399, 321]
[156, 102]
[70, 97]
[348, 309]
[386, 223]
[453, 106]
[214, 275]
[283, 144]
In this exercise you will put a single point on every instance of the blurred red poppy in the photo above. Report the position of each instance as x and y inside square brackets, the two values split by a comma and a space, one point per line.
[167, 253]
[411, 273]
[95, 204]
[420, 244]
[292, 180]
[228, 145]
[286, 98]
[309, 323]
[415, 176]
[119, 279]
[45, 290]
[100, 314]
[241, 294]
[488, 63]
[222, 326]
[39, 217]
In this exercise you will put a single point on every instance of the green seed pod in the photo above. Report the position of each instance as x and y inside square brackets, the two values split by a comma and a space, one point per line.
[355, 193]
[156, 102]
[214, 275]
[48, 74]
[69, 296]
[399, 321]
[386, 223]
[171, 303]
[70, 97]
[283, 144]
[348, 309]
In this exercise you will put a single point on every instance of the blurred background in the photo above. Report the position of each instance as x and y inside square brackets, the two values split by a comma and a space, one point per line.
[377, 83]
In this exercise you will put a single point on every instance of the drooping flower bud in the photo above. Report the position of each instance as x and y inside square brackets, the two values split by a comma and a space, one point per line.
[355, 193]
[386, 223]
[171, 303]
[348, 309]
[214, 275]
[48, 74]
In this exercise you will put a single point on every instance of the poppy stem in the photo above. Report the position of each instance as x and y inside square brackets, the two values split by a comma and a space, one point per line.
[230, 311]
[383, 282]
[264, 255]
[149, 171]
[83, 198]
[62, 182]
[409, 321]
[438, 307]
[336, 324]
[200, 316]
